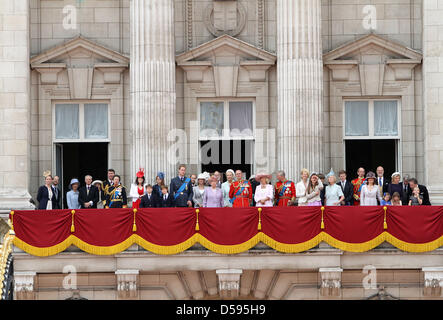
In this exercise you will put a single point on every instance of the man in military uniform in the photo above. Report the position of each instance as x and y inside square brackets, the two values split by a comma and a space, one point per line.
[284, 191]
[116, 195]
[106, 184]
[181, 189]
[358, 184]
[240, 192]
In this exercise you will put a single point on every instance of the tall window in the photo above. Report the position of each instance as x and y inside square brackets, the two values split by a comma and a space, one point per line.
[226, 120]
[87, 122]
[372, 119]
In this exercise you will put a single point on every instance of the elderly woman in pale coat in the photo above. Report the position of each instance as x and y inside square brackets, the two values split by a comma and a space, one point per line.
[264, 193]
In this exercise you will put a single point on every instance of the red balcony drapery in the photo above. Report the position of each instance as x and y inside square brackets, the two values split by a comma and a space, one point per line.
[228, 230]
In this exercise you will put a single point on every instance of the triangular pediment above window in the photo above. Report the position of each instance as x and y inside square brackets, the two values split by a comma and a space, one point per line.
[78, 49]
[225, 57]
[371, 56]
[225, 47]
[371, 45]
[77, 60]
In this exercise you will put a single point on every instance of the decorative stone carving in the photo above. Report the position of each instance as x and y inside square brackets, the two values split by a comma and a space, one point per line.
[24, 285]
[189, 22]
[330, 281]
[229, 282]
[218, 55]
[225, 17]
[260, 23]
[127, 283]
[433, 278]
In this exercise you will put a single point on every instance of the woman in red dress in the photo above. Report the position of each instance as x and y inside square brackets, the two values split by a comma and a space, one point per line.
[138, 189]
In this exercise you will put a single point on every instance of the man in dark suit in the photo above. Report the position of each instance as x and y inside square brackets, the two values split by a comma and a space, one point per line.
[166, 200]
[254, 184]
[406, 190]
[57, 192]
[181, 189]
[347, 188]
[413, 183]
[149, 200]
[382, 182]
[88, 195]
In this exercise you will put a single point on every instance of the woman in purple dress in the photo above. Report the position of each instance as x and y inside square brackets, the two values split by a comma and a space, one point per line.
[213, 196]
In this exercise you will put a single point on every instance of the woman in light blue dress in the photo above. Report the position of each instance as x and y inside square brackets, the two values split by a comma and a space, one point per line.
[333, 194]
[72, 196]
[226, 186]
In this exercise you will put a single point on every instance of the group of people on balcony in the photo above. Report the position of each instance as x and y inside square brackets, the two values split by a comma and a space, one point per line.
[208, 190]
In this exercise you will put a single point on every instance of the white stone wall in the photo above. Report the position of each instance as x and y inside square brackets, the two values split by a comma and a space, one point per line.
[103, 21]
[14, 104]
[399, 20]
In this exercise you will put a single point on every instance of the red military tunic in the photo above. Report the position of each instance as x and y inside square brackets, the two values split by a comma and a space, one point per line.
[241, 200]
[282, 198]
[357, 183]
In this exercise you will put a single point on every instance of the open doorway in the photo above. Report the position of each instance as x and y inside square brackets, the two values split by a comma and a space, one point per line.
[232, 154]
[370, 154]
[76, 160]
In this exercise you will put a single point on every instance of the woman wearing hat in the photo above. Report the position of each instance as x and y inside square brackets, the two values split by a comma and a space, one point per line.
[159, 182]
[264, 193]
[333, 194]
[370, 192]
[138, 189]
[213, 196]
[199, 190]
[226, 186]
[101, 199]
[72, 195]
[395, 185]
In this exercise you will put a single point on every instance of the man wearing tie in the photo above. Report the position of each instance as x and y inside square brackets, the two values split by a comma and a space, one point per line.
[382, 182]
[347, 189]
[88, 195]
[181, 189]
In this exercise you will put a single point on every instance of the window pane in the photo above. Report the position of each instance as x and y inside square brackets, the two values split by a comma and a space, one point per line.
[356, 118]
[240, 119]
[211, 119]
[385, 118]
[96, 121]
[66, 121]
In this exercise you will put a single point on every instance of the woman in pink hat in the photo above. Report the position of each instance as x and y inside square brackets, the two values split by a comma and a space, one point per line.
[264, 193]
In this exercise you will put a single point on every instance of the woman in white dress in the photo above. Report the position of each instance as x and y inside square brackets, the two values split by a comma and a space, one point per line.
[300, 188]
[226, 186]
[370, 192]
[264, 193]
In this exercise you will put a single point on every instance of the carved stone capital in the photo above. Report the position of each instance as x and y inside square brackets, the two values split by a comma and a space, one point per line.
[127, 283]
[24, 285]
[229, 282]
[433, 281]
[330, 281]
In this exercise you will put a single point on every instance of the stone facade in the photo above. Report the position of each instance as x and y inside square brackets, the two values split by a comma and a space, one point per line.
[390, 38]
[154, 62]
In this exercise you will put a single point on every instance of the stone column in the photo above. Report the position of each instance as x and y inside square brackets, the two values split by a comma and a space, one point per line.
[300, 86]
[153, 94]
[433, 98]
[14, 105]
